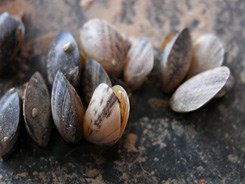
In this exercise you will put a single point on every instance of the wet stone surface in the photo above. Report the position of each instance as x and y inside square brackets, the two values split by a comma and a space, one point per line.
[158, 146]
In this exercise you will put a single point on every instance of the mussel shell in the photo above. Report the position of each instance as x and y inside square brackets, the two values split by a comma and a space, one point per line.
[64, 55]
[67, 109]
[100, 41]
[176, 61]
[11, 35]
[9, 121]
[123, 100]
[94, 74]
[140, 60]
[102, 120]
[37, 110]
[208, 53]
[200, 89]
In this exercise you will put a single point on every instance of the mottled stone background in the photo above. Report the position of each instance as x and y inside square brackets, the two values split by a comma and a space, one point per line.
[159, 146]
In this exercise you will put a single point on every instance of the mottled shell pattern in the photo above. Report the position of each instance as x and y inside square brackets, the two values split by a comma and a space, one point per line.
[106, 115]
[140, 60]
[101, 41]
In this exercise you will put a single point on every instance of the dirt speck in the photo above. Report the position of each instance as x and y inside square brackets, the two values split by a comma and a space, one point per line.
[157, 104]
[130, 142]
[92, 173]
[21, 175]
[233, 158]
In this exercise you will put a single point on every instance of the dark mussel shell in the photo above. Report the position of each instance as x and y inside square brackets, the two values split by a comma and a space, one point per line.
[9, 121]
[67, 109]
[37, 110]
[94, 74]
[11, 35]
[64, 55]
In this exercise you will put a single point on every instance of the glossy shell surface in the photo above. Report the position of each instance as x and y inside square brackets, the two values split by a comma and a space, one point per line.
[67, 109]
[102, 121]
[9, 121]
[64, 55]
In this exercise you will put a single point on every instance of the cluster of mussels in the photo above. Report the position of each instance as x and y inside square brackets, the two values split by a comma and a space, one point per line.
[193, 70]
[103, 53]
[104, 120]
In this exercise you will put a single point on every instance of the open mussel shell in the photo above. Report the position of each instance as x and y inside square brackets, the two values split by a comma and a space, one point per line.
[208, 53]
[104, 120]
[64, 55]
[100, 41]
[11, 36]
[67, 109]
[200, 89]
[93, 75]
[123, 100]
[176, 61]
[140, 60]
[37, 110]
[9, 121]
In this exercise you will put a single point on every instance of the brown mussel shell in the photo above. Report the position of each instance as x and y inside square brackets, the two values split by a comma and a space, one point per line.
[11, 36]
[94, 74]
[140, 60]
[198, 90]
[37, 110]
[102, 120]
[100, 41]
[176, 61]
[67, 109]
[64, 55]
[9, 121]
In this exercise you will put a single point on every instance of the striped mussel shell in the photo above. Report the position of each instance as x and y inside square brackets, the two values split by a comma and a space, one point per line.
[140, 60]
[9, 121]
[107, 115]
[208, 53]
[199, 90]
[37, 110]
[64, 55]
[67, 109]
[176, 60]
[93, 75]
[102, 42]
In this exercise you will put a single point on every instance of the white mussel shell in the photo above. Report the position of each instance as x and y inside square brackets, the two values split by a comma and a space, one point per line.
[103, 118]
[200, 89]
[140, 60]
[100, 41]
[208, 52]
